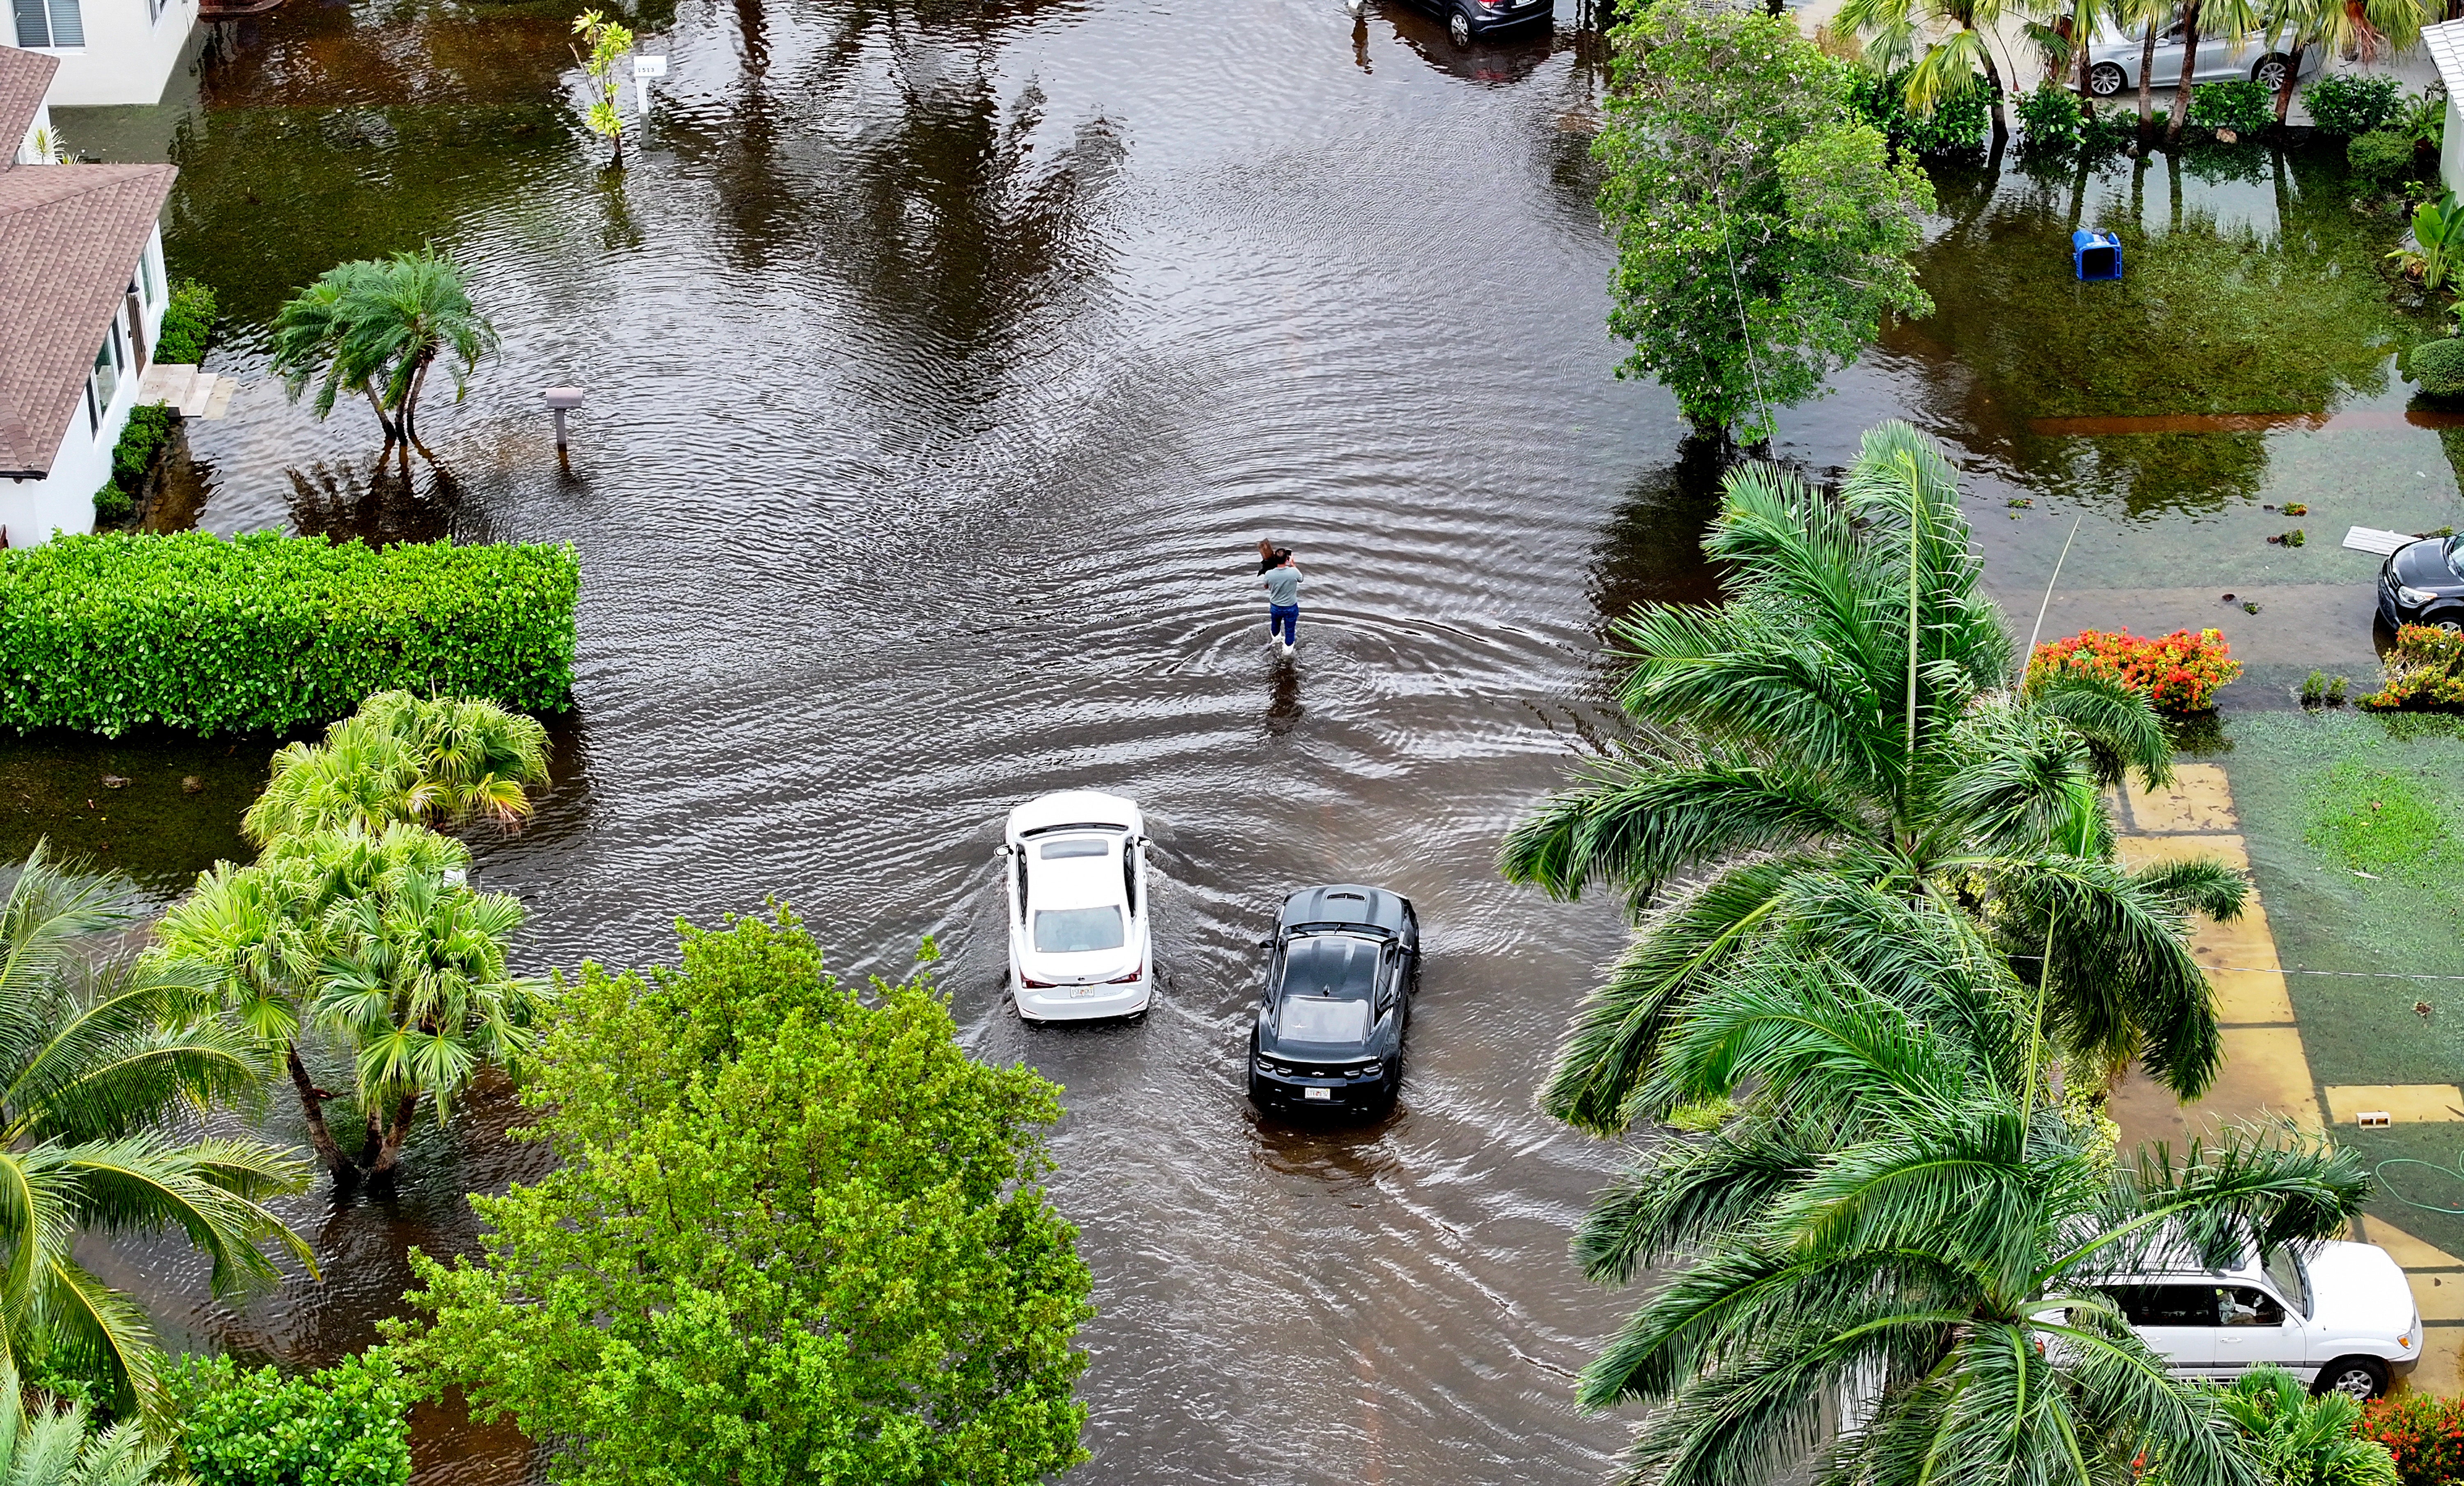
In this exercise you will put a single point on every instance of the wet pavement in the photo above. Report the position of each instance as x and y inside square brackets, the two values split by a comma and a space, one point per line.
[945, 364]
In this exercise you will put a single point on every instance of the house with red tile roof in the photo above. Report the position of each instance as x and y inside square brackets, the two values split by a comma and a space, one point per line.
[82, 291]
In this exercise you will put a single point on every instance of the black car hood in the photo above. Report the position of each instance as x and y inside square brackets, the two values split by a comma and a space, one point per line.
[2424, 566]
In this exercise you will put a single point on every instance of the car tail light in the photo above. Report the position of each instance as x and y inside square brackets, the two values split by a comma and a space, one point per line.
[1032, 984]
[1131, 979]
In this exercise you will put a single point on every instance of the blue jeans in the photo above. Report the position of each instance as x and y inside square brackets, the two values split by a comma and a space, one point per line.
[1282, 622]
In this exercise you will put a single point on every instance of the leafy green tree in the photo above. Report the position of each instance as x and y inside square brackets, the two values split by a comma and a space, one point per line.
[795, 1234]
[1762, 230]
[1888, 1268]
[1797, 764]
[51, 1447]
[2223, 21]
[94, 1056]
[377, 328]
[348, 1425]
[404, 758]
[606, 43]
[2305, 1441]
[378, 940]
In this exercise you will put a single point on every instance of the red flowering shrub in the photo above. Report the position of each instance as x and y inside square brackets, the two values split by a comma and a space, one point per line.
[2424, 1432]
[2179, 672]
[2425, 668]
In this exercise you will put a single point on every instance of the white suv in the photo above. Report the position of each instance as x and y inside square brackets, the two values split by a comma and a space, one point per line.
[2334, 1314]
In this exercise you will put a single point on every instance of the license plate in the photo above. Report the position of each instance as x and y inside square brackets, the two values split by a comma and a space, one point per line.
[1317, 1093]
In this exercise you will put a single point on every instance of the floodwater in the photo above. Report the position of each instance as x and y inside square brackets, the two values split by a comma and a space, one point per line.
[945, 362]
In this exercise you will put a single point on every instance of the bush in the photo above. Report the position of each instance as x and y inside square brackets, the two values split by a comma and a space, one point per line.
[266, 631]
[2243, 105]
[2438, 365]
[2179, 672]
[348, 1425]
[188, 324]
[2423, 1432]
[1956, 124]
[2351, 105]
[2111, 128]
[2052, 119]
[2380, 155]
[2425, 668]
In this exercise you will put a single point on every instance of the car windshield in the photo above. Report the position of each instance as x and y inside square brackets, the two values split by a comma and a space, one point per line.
[2292, 1282]
[1338, 967]
[1075, 846]
[1322, 1019]
[2455, 556]
[1069, 931]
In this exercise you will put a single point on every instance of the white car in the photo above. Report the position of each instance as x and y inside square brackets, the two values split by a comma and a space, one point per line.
[2334, 1315]
[1078, 943]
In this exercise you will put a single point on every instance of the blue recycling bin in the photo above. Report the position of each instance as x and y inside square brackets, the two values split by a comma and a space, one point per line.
[2095, 256]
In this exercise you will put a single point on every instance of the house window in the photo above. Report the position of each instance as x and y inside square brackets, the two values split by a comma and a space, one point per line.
[49, 23]
[149, 276]
[106, 381]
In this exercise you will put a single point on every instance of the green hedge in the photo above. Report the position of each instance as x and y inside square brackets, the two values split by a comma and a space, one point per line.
[2438, 365]
[187, 323]
[101, 633]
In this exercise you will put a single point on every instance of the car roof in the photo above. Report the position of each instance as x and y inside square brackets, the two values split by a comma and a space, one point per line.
[1074, 808]
[1074, 881]
[1345, 904]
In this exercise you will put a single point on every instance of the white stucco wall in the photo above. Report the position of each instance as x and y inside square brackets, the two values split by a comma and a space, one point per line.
[2450, 149]
[39, 129]
[32, 510]
[129, 53]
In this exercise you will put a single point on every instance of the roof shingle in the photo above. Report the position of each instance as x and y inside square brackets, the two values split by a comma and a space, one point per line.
[25, 76]
[70, 238]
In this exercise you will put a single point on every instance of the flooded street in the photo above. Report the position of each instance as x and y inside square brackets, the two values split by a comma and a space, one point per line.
[945, 366]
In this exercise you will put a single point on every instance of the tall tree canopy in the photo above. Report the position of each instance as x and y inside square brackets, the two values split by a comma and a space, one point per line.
[796, 1234]
[1837, 746]
[1762, 230]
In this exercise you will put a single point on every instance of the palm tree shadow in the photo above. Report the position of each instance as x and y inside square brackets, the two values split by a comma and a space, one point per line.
[388, 500]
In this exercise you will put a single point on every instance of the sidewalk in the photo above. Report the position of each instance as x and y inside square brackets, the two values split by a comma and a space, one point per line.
[2266, 1070]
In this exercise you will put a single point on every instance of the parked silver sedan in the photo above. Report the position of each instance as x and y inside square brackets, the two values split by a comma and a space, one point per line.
[2113, 61]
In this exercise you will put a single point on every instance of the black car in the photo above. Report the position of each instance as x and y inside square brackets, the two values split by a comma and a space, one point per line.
[2423, 584]
[1340, 972]
[1466, 19]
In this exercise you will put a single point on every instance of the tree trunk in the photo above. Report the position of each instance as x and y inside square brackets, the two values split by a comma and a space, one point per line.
[2189, 67]
[389, 1154]
[1993, 87]
[378, 409]
[2147, 91]
[2080, 30]
[410, 397]
[312, 1104]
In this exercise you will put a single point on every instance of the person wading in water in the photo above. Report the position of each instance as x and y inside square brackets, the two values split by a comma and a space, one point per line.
[1281, 579]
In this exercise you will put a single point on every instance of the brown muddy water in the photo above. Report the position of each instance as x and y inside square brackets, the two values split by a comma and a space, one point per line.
[945, 363]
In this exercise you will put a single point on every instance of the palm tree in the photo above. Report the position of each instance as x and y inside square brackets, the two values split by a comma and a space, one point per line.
[2229, 21]
[51, 1447]
[1793, 739]
[1889, 1268]
[376, 327]
[311, 342]
[2305, 1441]
[404, 758]
[2339, 25]
[1945, 68]
[418, 311]
[93, 1055]
[379, 938]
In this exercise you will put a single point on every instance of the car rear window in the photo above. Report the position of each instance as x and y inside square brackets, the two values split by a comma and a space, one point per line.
[1341, 966]
[1064, 931]
[1322, 1019]
[1075, 846]
[2171, 1305]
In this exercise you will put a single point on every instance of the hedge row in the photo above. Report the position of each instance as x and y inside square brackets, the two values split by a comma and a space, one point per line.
[264, 632]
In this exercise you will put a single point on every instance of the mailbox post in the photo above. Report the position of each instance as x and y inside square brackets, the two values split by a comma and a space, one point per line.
[644, 69]
[561, 400]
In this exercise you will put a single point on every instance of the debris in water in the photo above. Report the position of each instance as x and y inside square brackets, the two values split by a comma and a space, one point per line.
[2249, 607]
[114, 781]
[192, 784]
[2229, 598]
[2421, 1008]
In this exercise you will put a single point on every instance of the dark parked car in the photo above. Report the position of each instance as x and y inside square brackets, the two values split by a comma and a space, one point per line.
[1466, 19]
[2423, 584]
[1340, 972]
